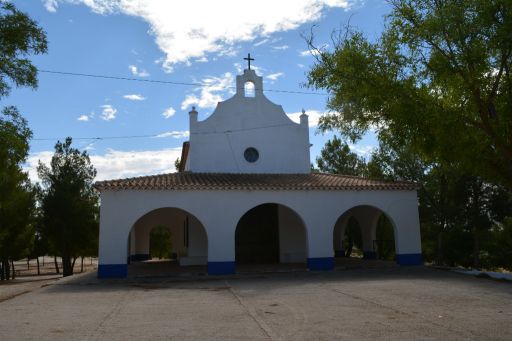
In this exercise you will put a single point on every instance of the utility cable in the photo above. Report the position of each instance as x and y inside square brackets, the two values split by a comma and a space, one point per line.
[202, 85]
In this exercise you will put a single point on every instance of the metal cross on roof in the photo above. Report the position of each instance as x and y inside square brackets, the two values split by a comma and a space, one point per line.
[249, 60]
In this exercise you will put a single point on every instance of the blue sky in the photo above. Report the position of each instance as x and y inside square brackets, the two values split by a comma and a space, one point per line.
[190, 42]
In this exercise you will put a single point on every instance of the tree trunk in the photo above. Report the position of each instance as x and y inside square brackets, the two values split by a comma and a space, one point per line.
[13, 270]
[440, 248]
[82, 265]
[3, 271]
[28, 263]
[476, 249]
[67, 267]
[38, 272]
[7, 270]
[56, 265]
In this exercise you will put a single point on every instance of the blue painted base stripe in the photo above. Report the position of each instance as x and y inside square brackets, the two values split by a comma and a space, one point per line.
[409, 259]
[369, 255]
[112, 270]
[323, 263]
[139, 257]
[221, 268]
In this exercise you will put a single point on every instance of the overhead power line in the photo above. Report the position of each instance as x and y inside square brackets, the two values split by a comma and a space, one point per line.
[202, 85]
[98, 138]
[160, 135]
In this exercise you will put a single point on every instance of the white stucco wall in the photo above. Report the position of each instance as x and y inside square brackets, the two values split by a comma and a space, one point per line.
[292, 237]
[220, 211]
[217, 144]
[197, 239]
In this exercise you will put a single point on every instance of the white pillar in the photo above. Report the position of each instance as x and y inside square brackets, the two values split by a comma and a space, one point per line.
[406, 221]
[220, 228]
[113, 243]
[319, 228]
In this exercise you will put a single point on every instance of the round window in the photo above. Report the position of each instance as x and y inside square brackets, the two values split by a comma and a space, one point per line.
[251, 154]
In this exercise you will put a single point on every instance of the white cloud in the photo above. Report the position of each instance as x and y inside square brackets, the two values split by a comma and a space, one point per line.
[313, 52]
[115, 164]
[313, 117]
[364, 151]
[51, 5]
[108, 113]
[280, 47]
[188, 30]
[211, 93]
[32, 162]
[202, 60]
[169, 112]
[83, 118]
[134, 97]
[174, 134]
[136, 72]
[275, 76]
[261, 42]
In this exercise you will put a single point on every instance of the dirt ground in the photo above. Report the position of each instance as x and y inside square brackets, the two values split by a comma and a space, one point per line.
[27, 279]
[390, 303]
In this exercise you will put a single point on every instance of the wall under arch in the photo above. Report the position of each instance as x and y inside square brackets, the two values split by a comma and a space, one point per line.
[220, 210]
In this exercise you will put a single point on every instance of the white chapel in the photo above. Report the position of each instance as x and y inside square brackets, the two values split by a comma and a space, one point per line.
[244, 193]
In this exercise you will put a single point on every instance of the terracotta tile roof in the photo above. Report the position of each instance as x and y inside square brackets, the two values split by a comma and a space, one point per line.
[257, 182]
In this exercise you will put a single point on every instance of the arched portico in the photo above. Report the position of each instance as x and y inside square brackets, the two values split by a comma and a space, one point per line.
[219, 212]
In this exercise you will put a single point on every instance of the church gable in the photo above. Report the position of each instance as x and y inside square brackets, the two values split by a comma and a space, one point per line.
[248, 134]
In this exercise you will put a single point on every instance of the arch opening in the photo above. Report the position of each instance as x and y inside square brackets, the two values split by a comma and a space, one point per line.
[249, 89]
[364, 232]
[270, 234]
[171, 237]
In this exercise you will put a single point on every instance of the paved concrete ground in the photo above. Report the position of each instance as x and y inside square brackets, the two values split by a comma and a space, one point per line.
[358, 304]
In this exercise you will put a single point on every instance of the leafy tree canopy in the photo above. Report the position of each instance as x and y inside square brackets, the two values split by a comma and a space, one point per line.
[19, 37]
[160, 242]
[336, 157]
[438, 78]
[16, 194]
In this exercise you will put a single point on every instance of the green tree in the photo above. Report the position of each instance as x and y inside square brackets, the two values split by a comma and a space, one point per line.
[16, 194]
[438, 78]
[501, 244]
[160, 243]
[69, 203]
[337, 158]
[20, 36]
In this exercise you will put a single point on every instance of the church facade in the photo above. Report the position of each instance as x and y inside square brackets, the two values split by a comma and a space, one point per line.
[245, 194]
